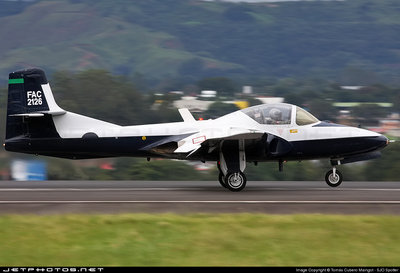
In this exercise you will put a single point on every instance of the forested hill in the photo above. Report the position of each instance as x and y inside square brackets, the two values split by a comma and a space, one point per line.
[355, 42]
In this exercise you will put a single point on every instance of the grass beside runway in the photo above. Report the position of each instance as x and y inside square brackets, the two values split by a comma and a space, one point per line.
[199, 240]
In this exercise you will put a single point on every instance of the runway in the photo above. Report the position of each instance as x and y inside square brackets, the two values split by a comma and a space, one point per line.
[281, 197]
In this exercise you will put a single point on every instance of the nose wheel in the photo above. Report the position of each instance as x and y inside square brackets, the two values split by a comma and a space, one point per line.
[334, 178]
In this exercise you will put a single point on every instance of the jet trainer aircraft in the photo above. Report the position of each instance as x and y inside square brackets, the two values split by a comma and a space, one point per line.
[267, 132]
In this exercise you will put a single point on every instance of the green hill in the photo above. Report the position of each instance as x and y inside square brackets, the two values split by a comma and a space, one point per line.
[193, 38]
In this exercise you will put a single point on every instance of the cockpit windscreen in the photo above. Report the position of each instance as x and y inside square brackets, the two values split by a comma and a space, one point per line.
[276, 114]
[304, 118]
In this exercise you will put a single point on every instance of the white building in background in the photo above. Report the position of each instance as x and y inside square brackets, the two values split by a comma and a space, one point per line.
[193, 104]
[271, 99]
[352, 87]
[247, 90]
[208, 94]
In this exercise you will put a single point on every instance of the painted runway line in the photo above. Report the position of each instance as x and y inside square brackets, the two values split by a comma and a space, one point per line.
[201, 202]
[190, 189]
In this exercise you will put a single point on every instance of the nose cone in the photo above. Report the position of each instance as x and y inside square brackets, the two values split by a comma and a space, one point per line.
[369, 143]
[381, 142]
[371, 140]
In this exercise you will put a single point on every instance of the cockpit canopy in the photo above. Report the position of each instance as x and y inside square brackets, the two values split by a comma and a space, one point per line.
[303, 117]
[279, 114]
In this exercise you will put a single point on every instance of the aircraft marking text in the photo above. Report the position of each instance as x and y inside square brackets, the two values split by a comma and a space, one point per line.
[34, 98]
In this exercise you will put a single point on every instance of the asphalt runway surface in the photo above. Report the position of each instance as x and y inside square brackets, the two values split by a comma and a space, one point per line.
[281, 197]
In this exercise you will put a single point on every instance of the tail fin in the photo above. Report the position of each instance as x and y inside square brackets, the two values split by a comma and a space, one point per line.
[29, 98]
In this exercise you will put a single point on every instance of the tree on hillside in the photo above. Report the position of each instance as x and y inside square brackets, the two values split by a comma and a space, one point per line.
[396, 102]
[238, 13]
[218, 109]
[323, 109]
[99, 94]
[224, 86]
[369, 114]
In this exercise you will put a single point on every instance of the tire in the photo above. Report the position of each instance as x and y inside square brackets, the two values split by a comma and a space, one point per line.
[235, 181]
[333, 181]
[221, 179]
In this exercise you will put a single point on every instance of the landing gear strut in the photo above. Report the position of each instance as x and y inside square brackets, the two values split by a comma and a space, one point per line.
[333, 177]
[232, 164]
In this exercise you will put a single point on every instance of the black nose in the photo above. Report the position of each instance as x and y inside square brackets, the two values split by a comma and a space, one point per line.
[381, 141]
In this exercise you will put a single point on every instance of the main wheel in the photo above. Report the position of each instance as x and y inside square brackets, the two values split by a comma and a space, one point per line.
[235, 181]
[221, 179]
[333, 180]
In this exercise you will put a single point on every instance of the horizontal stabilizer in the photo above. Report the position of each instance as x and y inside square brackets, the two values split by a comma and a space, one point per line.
[40, 114]
[31, 115]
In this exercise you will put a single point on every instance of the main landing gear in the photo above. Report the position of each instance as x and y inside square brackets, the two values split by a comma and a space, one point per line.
[233, 181]
[333, 177]
[231, 174]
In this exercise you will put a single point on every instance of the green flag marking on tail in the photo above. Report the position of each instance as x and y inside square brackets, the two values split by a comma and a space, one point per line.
[15, 81]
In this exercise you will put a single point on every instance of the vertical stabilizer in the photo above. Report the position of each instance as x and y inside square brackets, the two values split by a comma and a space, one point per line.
[30, 104]
[25, 93]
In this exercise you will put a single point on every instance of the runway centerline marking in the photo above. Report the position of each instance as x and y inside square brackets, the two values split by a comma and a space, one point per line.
[202, 202]
[190, 188]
